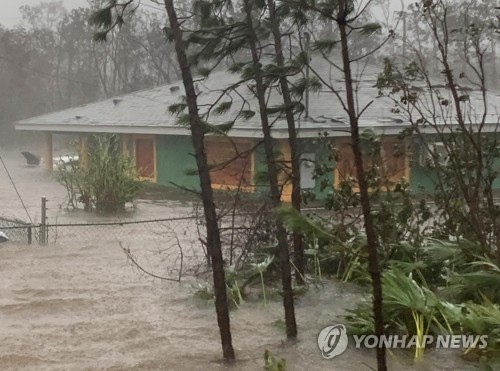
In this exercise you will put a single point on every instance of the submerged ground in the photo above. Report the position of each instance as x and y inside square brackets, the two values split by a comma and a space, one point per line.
[80, 305]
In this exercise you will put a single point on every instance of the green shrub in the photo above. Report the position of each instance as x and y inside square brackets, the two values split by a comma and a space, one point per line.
[106, 182]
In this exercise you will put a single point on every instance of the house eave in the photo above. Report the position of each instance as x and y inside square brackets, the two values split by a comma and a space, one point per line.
[242, 132]
[91, 129]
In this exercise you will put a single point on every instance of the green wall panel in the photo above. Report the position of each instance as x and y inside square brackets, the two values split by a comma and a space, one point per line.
[421, 179]
[174, 160]
[320, 149]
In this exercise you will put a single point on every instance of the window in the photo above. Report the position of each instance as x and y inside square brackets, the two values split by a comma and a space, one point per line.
[231, 162]
[307, 164]
[435, 154]
[144, 148]
[391, 160]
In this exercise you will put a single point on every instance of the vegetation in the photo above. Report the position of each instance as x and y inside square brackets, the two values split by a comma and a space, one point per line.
[373, 234]
[104, 179]
[431, 262]
[260, 268]
[50, 62]
[235, 291]
[107, 19]
[414, 307]
[271, 363]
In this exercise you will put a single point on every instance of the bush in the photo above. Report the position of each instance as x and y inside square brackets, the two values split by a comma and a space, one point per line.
[106, 182]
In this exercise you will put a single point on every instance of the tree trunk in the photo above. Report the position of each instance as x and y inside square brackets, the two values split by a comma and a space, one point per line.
[213, 233]
[371, 239]
[298, 247]
[286, 273]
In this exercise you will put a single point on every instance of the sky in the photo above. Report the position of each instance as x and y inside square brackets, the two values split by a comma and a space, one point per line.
[10, 15]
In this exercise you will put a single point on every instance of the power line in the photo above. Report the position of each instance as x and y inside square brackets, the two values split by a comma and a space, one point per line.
[163, 10]
[15, 188]
[152, 7]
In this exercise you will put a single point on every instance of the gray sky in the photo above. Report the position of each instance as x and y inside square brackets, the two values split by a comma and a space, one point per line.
[10, 15]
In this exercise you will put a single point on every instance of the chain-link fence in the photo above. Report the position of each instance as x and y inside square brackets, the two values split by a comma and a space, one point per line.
[18, 230]
[164, 248]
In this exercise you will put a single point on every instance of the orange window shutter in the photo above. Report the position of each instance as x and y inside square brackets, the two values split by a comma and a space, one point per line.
[231, 162]
[145, 157]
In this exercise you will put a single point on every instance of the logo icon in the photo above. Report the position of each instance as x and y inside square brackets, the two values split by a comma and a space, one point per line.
[332, 341]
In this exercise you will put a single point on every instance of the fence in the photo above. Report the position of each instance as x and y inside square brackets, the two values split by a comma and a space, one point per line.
[18, 230]
[165, 248]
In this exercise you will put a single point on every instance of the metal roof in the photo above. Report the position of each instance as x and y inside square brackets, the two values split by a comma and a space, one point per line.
[146, 111]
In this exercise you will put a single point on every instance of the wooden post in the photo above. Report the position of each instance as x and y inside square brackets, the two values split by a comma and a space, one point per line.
[43, 222]
[48, 154]
[30, 237]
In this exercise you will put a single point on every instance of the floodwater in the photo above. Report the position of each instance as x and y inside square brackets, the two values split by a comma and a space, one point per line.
[33, 182]
[80, 305]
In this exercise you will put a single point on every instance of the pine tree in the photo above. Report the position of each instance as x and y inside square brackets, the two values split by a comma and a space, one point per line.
[104, 19]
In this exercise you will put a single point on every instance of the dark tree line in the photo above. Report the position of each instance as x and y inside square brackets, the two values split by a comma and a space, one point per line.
[50, 61]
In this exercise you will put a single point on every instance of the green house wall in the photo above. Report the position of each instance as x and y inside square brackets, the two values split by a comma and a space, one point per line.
[174, 162]
[176, 166]
[320, 149]
[422, 180]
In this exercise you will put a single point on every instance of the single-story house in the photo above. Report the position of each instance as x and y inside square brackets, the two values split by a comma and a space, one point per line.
[163, 151]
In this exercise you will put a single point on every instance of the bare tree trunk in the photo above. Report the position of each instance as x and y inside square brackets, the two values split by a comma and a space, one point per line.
[286, 274]
[371, 238]
[298, 247]
[157, 64]
[213, 233]
[101, 74]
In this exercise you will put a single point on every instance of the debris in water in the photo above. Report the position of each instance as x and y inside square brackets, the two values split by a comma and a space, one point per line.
[3, 237]
[31, 159]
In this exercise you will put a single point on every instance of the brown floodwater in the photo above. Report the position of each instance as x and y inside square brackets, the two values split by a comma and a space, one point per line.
[79, 304]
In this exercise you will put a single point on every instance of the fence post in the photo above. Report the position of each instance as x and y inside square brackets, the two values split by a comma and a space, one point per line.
[43, 222]
[30, 237]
